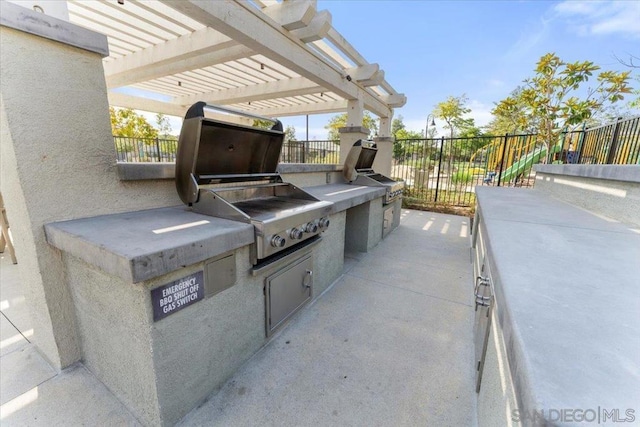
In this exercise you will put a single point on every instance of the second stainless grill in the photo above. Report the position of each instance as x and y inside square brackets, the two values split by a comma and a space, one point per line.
[358, 169]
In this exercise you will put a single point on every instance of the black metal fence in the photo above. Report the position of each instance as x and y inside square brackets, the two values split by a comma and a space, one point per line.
[311, 152]
[447, 170]
[164, 150]
[145, 149]
[614, 143]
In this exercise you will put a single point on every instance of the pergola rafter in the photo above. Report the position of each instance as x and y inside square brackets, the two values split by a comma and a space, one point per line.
[274, 58]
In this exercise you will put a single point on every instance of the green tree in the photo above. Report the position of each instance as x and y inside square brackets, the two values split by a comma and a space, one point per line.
[452, 111]
[473, 140]
[163, 125]
[340, 121]
[556, 96]
[290, 133]
[402, 138]
[126, 122]
[634, 63]
[512, 116]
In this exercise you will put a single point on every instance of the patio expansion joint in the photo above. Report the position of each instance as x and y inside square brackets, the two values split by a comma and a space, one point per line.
[17, 329]
[406, 290]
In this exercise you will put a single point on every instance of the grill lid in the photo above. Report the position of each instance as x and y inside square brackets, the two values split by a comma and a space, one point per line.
[212, 151]
[359, 159]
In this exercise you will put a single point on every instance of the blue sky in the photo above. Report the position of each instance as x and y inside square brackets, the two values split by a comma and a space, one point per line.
[484, 49]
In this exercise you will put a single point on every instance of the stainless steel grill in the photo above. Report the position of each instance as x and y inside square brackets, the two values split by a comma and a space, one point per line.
[230, 171]
[358, 170]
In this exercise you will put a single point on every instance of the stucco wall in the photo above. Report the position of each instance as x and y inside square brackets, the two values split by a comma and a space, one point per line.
[364, 226]
[58, 162]
[328, 257]
[609, 190]
[115, 339]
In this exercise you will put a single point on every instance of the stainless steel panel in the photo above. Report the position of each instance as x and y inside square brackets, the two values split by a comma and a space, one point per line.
[387, 222]
[211, 151]
[287, 291]
[220, 274]
[483, 295]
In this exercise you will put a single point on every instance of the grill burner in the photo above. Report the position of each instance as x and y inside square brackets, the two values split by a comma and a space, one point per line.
[229, 171]
[358, 170]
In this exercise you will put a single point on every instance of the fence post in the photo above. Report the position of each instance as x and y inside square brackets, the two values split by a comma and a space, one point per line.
[304, 151]
[504, 151]
[439, 171]
[581, 143]
[158, 148]
[613, 146]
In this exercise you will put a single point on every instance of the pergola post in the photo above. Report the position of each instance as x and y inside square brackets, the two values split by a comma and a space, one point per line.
[384, 141]
[354, 130]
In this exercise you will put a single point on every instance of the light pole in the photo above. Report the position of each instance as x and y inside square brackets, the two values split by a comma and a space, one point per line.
[432, 124]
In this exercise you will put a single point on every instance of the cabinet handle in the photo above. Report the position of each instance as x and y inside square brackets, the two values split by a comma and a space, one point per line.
[480, 281]
[306, 282]
[481, 300]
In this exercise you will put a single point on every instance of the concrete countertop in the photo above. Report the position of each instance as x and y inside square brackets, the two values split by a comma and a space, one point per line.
[137, 246]
[345, 196]
[628, 173]
[141, 245]
[567, 292]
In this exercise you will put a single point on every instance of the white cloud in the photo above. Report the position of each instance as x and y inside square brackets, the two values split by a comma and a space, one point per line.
[315, 133]
[530, 37]
[594, 17]
[480, 112]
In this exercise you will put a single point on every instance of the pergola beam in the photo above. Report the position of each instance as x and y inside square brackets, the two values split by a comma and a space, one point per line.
[317, 28]
[247, 25]
[145, 104]
[277, 89]
[199, 49]
[292, 15]
[395, 101]
[296, 110]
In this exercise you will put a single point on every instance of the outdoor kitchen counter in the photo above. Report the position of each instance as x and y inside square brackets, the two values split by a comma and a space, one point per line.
[345, 196]
[567, 303]
[142, 245]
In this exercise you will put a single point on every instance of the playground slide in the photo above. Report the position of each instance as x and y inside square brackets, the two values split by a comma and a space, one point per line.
[524, 164]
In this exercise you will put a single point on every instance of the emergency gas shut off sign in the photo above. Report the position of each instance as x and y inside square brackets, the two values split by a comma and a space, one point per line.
[175, 296]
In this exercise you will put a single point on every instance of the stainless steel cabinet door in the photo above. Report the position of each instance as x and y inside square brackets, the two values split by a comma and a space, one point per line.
[287, 291]
[483, 296]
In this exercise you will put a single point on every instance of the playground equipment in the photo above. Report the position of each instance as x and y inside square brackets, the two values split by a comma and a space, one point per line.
[497, 154]
[515, 158]
[524, 164]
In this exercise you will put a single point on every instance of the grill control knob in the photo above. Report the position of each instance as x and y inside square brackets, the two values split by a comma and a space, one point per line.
[278, 242]
[311, 227]
[324, 222]
[295, 234]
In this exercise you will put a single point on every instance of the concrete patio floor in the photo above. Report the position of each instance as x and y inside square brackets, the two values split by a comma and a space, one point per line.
[390, 343]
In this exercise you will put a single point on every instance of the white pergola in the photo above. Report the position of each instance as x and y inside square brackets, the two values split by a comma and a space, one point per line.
[267, 57]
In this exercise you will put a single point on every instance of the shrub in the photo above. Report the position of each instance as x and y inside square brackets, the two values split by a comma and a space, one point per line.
[461, 177]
